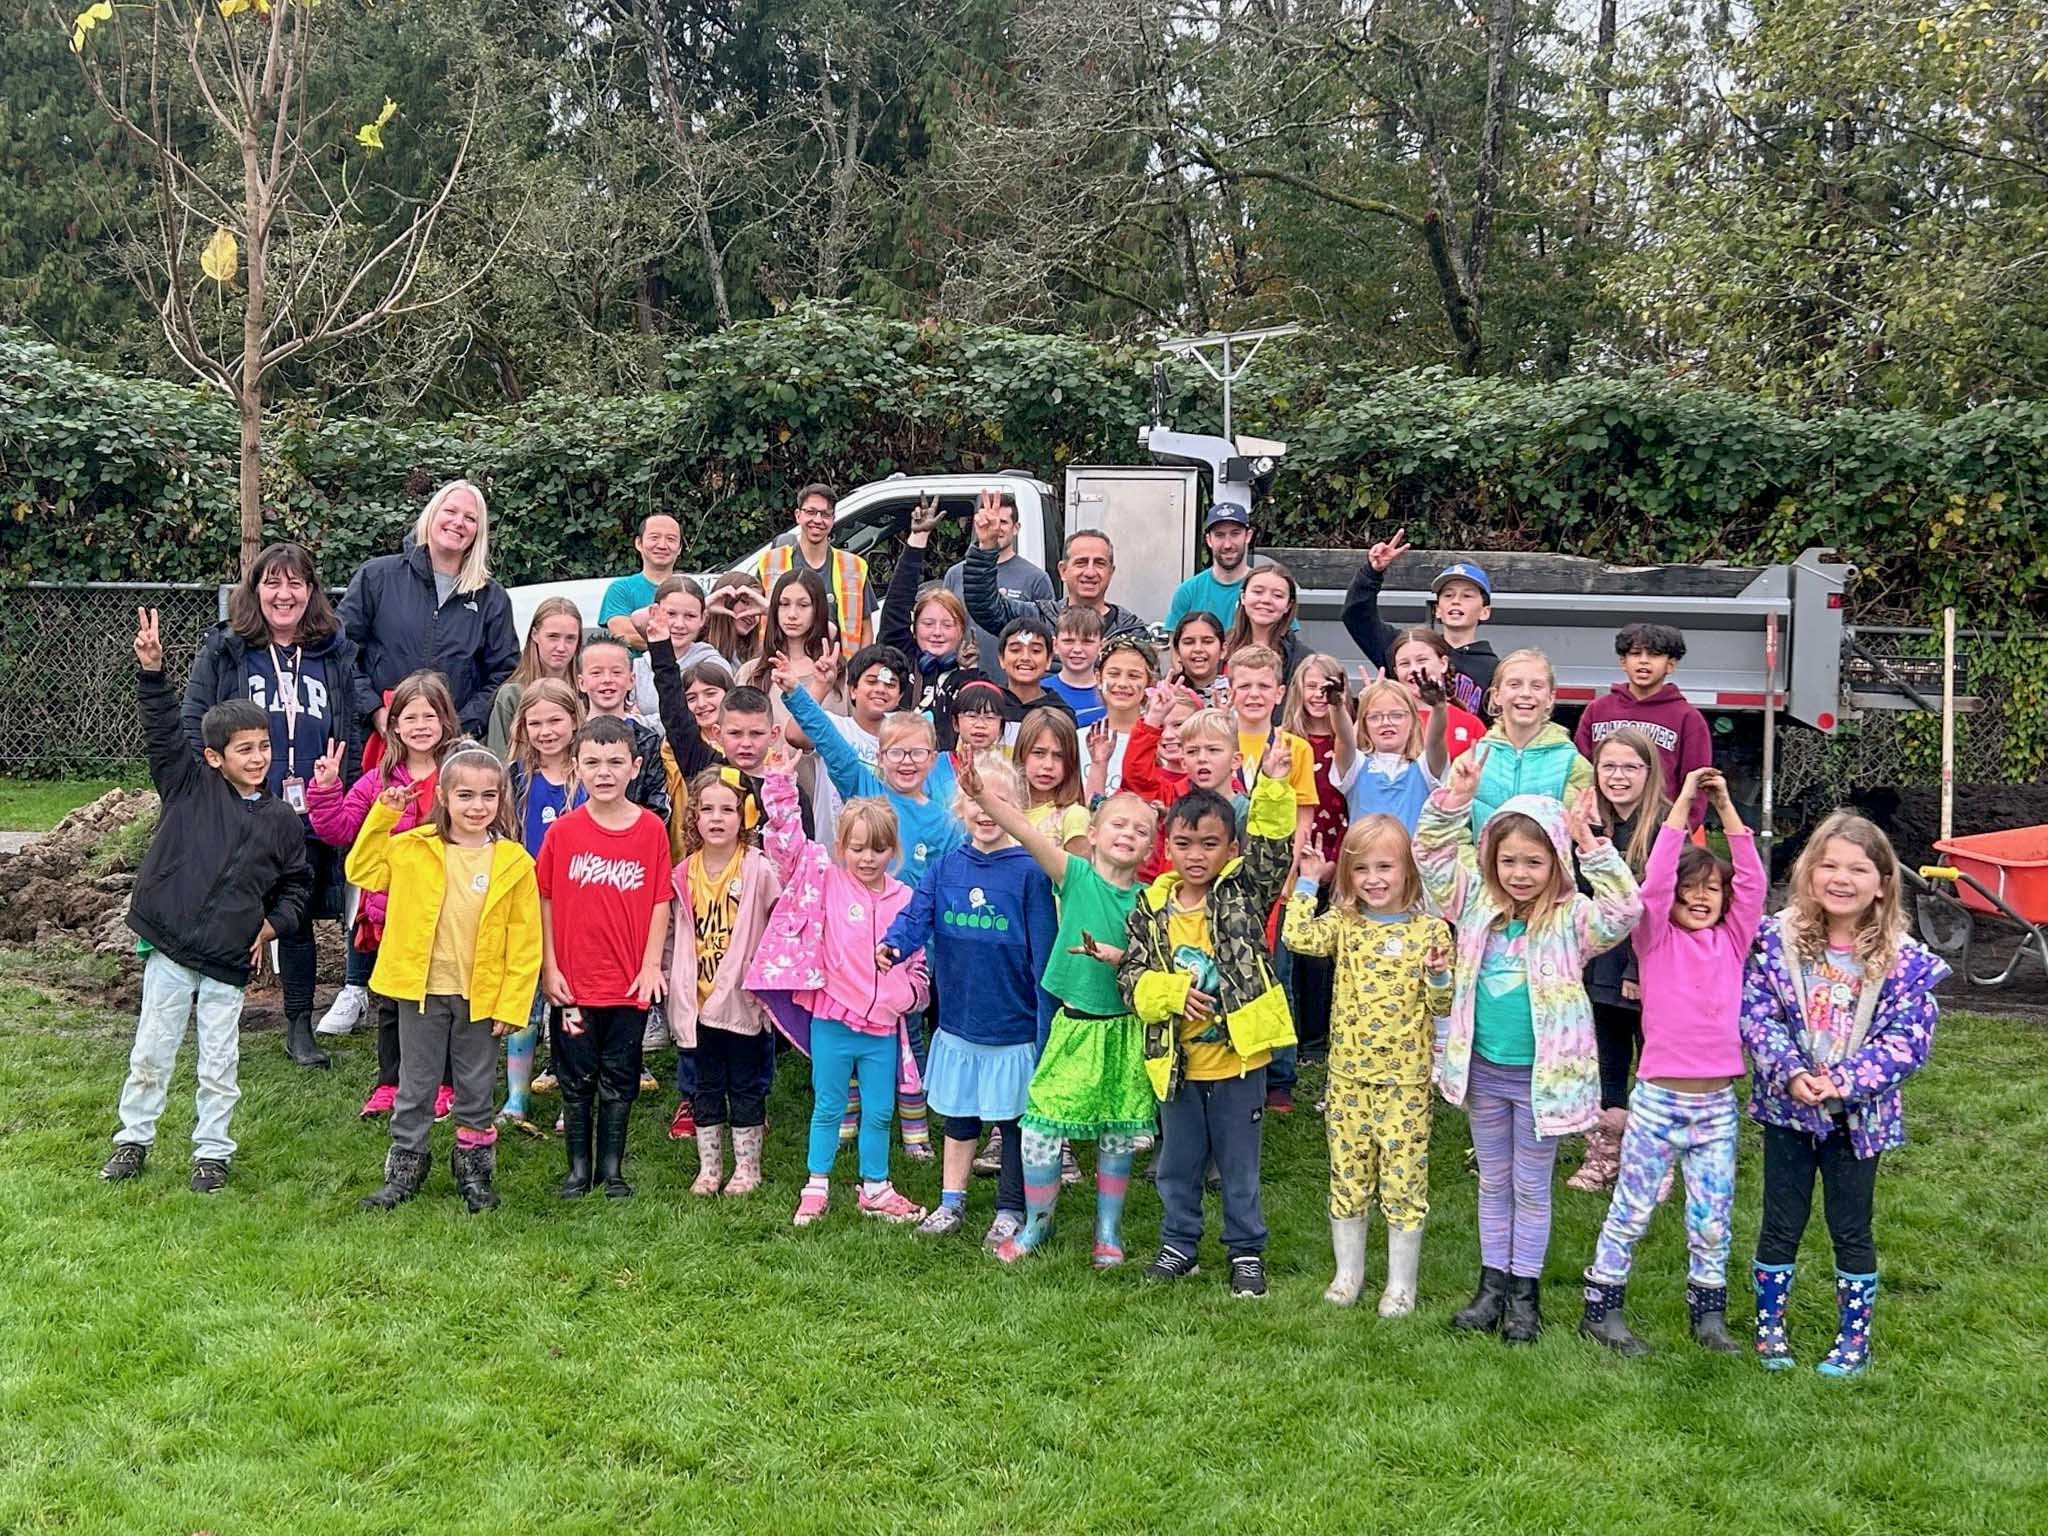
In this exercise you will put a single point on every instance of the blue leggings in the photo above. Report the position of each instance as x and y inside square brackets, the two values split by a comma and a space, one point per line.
[837, 1053]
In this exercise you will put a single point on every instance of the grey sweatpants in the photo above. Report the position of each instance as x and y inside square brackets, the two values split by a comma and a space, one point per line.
[428, 1037]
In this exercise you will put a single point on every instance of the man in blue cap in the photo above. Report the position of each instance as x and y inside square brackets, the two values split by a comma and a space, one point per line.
[1464, 599]
[1217, 589]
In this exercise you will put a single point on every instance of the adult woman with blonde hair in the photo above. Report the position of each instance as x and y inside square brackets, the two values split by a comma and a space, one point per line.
[434, 606]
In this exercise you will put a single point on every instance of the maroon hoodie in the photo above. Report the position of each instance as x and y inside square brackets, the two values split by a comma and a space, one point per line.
[1677, 730]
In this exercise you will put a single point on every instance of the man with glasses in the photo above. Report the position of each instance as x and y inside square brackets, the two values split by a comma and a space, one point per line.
[1086, 567]
[843, 574]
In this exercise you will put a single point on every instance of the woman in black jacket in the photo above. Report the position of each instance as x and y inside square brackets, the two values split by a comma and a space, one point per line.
[433, 606]
[282, 647]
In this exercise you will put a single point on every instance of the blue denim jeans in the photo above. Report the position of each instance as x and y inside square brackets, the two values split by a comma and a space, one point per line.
[169, 994]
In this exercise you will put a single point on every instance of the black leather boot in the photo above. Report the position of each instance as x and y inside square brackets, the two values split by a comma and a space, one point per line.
[473, 1167]
[1524, 1319]
[1483, 1313]
[404, 1173]
[1709, 1308]
[576, 1137]
[1603, 1322]
[611, 1147]
[298, 1041]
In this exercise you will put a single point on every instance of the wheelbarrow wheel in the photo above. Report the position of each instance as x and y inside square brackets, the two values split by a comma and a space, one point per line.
[1945, 925]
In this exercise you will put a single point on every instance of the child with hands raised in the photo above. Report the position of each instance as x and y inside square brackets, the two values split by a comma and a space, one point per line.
[1090, 1083]
[226, 873]
[816, 969]
[1520, 1054]
[1195, 970]
[985, 911]
[419, 725]
[461, 954]
[1700, 916]
[1392, 981]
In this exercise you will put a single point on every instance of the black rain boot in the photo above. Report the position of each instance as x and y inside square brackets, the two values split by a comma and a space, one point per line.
[404, 1173]
[1483, 1313]
[1709, 1307]
[473, 1167]
[1603, 1322]
[1524, 1320]
[611, 1147]
[576, 1137]
[298, 1041]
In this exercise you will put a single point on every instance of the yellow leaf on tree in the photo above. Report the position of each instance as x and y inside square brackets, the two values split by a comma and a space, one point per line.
[230, 8]
[86, 20]
[219, 259]
[371, 135]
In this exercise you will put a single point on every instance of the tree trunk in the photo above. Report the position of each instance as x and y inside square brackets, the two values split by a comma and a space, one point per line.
[714, 268]
[249, 398]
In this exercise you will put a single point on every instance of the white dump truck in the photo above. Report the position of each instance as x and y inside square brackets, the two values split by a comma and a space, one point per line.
[1767, 646]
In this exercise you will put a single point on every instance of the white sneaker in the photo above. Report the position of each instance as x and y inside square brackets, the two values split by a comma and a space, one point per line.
[345, 1012]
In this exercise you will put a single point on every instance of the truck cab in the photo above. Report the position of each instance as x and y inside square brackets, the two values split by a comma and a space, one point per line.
[867, 521]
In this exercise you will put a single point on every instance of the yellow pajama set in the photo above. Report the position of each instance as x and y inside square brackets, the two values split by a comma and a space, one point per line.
[1382, 1037]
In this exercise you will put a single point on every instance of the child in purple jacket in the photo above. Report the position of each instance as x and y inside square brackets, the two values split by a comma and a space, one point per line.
[1838, 1011]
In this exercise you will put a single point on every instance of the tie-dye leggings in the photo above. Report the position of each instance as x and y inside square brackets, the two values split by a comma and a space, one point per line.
[1696, 1131]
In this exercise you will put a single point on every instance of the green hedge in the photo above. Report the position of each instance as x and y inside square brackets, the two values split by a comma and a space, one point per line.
[107, 478]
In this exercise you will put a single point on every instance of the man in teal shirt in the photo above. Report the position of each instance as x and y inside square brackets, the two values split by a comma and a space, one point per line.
[1217, 589]
[660, 543]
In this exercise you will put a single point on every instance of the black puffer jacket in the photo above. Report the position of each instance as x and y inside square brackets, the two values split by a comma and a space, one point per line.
[392, 614]
[221, 671]
[219, 866]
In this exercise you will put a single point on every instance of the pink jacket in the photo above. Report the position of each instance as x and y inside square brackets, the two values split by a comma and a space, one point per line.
[730, 1006]
[1692, 981]
[821, 939]
[337, 816]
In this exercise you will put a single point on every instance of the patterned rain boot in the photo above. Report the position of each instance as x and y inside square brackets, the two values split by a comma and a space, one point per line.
[746, 1159]
[1773, 1290]
[1708, 1305]
[1854, 1296]
[1603, 1322]
[710, 1160]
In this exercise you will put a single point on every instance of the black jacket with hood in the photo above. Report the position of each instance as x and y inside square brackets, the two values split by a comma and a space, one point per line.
[399, 625]
[1375, 636]
[219, 866]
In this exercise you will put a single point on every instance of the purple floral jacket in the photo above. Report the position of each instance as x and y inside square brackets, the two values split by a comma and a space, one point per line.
[1901, 1033]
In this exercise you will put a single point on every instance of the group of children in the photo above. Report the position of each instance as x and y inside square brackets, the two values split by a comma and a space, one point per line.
[1090, 908]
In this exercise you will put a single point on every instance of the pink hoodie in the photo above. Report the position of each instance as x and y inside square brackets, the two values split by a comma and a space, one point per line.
[1692, 980]
[821, 938]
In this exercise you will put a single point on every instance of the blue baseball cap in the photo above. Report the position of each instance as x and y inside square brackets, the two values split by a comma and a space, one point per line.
[1463, 570]
[1226, 512]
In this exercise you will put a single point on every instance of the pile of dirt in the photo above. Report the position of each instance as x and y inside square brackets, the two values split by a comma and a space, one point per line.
[71, 885]
[1912, 817]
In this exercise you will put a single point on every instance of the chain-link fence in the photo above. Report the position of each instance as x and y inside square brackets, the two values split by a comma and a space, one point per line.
[67, 669]
[1900, 748]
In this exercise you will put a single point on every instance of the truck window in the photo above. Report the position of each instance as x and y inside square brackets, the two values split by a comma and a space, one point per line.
[875, 533]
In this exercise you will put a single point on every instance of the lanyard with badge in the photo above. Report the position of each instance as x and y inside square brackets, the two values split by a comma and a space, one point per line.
[293, 789]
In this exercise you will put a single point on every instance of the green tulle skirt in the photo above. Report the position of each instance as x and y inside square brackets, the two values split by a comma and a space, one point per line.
[1091, 1080]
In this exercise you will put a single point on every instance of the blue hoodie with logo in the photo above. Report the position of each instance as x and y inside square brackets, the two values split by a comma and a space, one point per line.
[988, 923]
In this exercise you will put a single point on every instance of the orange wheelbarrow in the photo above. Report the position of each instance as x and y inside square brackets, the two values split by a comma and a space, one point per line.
[1998, 875]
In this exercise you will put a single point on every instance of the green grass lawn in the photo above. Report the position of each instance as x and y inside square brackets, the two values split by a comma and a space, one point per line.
[36, 805]
[275, 1360]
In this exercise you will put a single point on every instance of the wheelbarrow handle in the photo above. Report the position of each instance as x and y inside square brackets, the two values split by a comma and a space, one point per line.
[1940, 872]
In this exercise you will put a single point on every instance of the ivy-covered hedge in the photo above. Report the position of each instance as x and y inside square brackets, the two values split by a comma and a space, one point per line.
[104, 478]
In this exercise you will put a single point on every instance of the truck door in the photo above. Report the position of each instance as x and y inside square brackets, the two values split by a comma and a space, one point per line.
[1149, 513]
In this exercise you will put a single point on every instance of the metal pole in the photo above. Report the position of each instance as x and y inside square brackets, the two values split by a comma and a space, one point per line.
[1948, 723]
[1767, 832]
[1228, 378]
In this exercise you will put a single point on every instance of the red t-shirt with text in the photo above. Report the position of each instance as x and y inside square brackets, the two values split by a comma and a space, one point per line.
[603, 887]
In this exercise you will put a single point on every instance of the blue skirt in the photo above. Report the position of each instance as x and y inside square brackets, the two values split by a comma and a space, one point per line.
[979, 1082]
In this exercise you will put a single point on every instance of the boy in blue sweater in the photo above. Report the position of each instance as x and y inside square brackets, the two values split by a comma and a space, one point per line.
[984, 914]
[915, 778]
